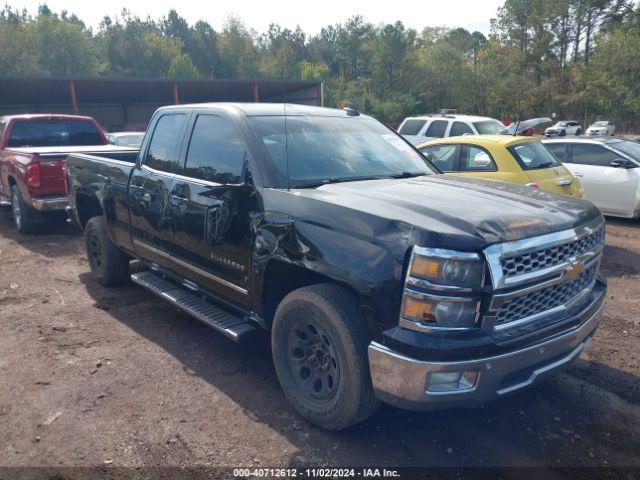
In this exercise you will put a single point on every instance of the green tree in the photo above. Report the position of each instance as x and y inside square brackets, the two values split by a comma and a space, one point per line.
[65, 46]
[20, 52]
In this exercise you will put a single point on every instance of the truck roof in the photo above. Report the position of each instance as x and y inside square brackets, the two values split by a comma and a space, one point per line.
[263, 109]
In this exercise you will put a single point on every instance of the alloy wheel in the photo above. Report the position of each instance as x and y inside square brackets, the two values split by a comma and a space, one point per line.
[17, 211]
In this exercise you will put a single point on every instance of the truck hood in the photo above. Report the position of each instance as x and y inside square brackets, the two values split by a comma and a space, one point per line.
[446, 211]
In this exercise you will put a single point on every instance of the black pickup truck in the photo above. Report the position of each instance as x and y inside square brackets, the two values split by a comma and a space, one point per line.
[378, 277]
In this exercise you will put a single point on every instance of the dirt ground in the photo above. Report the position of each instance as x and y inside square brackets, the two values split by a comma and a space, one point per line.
[113, 376]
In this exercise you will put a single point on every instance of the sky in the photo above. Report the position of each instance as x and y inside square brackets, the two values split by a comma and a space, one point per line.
[257, 15]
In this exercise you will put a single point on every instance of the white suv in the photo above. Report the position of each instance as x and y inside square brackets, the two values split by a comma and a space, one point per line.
[423, 128]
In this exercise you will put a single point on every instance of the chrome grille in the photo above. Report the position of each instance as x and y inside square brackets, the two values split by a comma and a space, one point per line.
[544, 299]
[547, 257]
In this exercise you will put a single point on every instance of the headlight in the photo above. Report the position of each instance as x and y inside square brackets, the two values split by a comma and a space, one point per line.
[436, 311]
[447, 267]
[442, 290]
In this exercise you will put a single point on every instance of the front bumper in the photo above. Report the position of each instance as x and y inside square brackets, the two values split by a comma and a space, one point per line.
[403, 381]
[49, 204]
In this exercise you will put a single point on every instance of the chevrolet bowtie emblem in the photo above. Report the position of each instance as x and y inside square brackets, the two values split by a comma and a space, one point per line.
[574, 270]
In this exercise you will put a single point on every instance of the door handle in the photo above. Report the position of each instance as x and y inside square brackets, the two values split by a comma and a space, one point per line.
[136, 191]
[178, 203]
[179, 198]
[565, 182]
[578, 174]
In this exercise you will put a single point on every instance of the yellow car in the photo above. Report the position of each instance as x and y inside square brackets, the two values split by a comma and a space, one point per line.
[506, 158]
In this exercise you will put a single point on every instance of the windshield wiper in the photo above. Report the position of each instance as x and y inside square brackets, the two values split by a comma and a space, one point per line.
[408, 174]
[326, 181]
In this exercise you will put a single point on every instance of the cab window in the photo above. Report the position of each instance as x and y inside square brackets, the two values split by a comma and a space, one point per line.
[587, 154]
[476, 159]
[437, 129]
[460, 128]
[162, 149]
[411, 127]
[533, 156]
[442, 156]
[216, 152]
[557, 149]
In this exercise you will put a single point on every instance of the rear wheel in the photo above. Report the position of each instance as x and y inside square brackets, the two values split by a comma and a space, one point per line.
[579, 131]
[25, 218]
[319, 346]
[109, 264]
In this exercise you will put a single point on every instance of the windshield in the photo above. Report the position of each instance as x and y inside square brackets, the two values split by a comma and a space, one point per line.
[326, 149]
[533, 156]
[599, 124]
[561, 124]
[625, 146]
[488, 127]
[53, 132]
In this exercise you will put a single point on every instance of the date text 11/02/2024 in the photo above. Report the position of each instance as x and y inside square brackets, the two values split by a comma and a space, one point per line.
[316, 472]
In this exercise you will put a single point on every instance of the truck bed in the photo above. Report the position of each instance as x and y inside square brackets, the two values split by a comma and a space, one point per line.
[106, 178]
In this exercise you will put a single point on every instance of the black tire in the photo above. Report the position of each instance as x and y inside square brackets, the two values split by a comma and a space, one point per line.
[563, 133]
[109, 264]
[25, 218]
[319, 345]
[579, 131]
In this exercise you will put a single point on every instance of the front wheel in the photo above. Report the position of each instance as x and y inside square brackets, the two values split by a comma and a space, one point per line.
[109, 265]
[319, 345]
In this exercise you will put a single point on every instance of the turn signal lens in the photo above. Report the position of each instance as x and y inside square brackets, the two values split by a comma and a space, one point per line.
[425, 267]
[447, 312]
[418, 310]
[448, 271]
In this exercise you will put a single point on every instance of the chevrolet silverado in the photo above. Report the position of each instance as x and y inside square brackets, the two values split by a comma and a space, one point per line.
[378, 278]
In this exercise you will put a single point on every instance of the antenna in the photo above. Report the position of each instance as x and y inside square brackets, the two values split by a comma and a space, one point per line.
[515, 131]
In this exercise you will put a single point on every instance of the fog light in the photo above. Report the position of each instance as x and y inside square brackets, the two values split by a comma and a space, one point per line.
[459, 381]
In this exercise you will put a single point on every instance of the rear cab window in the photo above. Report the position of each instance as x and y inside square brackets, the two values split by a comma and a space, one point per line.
[161, 154]
[53, 132]
[411, 127]
[533, 156]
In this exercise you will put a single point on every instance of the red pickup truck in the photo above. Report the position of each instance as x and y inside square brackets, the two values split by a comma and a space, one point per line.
[33, 152]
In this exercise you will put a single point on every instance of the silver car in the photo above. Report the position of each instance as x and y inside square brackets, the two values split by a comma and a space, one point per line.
[564, 128]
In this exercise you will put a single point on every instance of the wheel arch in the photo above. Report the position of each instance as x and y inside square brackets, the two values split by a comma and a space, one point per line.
[281, 278]
[87, 206]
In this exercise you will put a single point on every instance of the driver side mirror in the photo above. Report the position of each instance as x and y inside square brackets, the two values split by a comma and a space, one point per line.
[622, 163]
